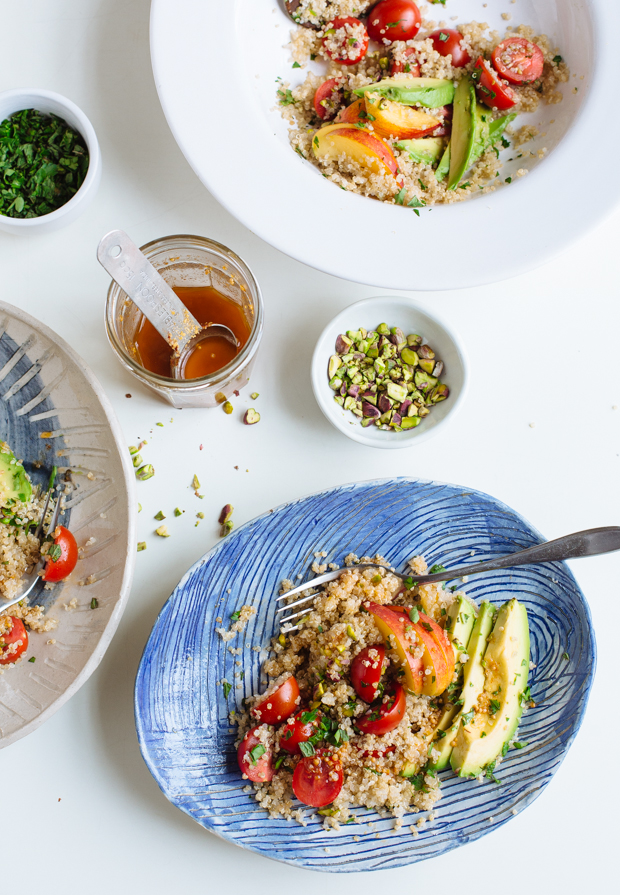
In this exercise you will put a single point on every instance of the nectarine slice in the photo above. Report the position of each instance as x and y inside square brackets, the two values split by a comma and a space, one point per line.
[366, 149]
[391, 119]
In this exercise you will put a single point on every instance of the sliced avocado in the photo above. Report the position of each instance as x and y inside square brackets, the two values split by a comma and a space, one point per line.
[443, 168]
[462, 616]
[424, 149]
[430, 92]
[463, 131]
[14, 483]
[482, 129]
[473, 680]
[498, 709]
[498, 126]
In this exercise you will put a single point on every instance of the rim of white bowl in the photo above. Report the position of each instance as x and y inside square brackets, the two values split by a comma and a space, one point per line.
[393, 440]
[87, 132]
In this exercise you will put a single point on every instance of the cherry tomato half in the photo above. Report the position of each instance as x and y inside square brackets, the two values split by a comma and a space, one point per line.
[392, 20]
[318, 779]
[491, 90]
[366, 670]
[297, 731]
[328, 99]
[518, 60]
[279, 704]
[345, 40]
[57, 569]
[254, 758]
[385, 715]
[410, 68]
[17, 632]
[447, 42]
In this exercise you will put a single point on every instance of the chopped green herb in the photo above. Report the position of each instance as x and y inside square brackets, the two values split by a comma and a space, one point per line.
[257, 751]
[468, 716]
[400, 196]
[557, 60]
[565, 656]
[55, 552]
[306, 749]
[43, 163]
[372, 771]
[434, 570]
[94, 603]
[235, 615]
[227, 688]
[519, 745]
[494, 706]
[285, 97]
[509, 180]
[414, 615]
[296, 65]
[32, 659]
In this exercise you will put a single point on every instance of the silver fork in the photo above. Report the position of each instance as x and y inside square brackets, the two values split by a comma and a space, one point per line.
[592, 542]
[31, 578]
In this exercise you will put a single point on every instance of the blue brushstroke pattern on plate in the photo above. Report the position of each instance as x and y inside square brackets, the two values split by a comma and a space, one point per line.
[23, 435]
[182, 714]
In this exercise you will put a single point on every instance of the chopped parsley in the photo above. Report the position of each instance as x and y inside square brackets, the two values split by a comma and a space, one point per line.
[434, 570]
[306, 749]
[494, 706]
[256, 752]
[296, 65]
[557, 60]
[565, 656]
[414, 615]
[400, 196]
[227, 688]
[235, 616]
[468, 716]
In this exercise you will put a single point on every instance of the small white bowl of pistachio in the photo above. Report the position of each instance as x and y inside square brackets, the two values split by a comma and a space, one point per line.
[387, 373]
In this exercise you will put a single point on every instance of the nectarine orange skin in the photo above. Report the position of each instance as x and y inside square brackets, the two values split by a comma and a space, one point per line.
[394, 628]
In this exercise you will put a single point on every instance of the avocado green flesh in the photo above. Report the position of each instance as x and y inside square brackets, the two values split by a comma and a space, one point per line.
[425, 149]
[463, 131]
[429, 92]
[14, 483]
[507, 660]
[443, 168]
[461, 620]
[473, 680]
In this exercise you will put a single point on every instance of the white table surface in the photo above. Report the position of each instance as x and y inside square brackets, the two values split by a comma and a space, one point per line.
[539, 431]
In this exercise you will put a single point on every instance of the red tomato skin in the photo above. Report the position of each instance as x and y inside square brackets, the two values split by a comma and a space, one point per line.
[262, 771]
[312, 779]
[391, 713]
[283, 703]
[413, 68]
[491, 91]
[451, 46]
[300, 732]
[339, 22]
[324, 107]
[402, 15]
[527, 60]
[366, 672]
[17, 632]
[57, 570]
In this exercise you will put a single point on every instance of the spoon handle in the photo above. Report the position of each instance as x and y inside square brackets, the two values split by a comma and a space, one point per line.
[592, 542]
[136, 276]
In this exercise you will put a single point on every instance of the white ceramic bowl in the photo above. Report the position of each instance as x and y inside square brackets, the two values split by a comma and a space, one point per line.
[411, 318]
[236, 141]
[12, 101]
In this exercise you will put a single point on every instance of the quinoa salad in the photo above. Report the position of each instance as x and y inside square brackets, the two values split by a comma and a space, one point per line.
[410, 110]
[381, 685]
[21, 550]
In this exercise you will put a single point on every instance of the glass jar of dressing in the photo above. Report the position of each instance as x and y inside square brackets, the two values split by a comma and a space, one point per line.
[217, 287]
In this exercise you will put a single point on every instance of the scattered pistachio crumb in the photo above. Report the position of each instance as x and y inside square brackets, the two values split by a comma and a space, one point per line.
[162, 531]
[159, 516]
[254, 396]
[228, 408]
[141, 546]
[178, 512]
[94, 603]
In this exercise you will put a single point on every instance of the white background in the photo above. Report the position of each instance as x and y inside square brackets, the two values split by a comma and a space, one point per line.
[543, 350]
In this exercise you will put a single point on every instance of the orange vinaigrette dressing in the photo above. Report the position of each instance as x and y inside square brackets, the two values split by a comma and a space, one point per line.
[208, 306]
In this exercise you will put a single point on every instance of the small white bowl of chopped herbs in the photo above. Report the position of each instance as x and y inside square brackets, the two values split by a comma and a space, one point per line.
[50, 163]
[387, 373]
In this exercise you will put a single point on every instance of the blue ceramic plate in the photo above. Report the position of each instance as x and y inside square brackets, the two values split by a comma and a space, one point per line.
[182, 714]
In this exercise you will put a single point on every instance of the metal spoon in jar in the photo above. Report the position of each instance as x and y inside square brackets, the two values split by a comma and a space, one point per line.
[137, 277]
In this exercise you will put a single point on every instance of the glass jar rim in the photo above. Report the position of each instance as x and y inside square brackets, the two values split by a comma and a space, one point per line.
[250, 347]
